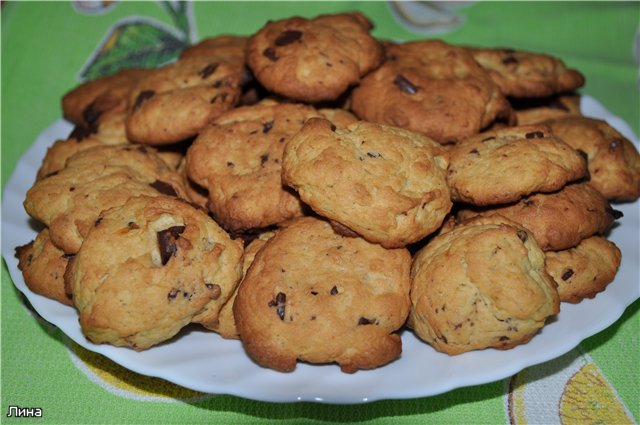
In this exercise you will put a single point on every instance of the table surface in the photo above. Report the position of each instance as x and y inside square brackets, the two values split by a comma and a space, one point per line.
[49, 47]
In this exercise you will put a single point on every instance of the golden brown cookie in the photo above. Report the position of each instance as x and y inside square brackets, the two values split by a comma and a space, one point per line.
[313, 60]
[585, 270]
[505, 165]
[174, 265]
[191, 91]
[238, 160]
[614, 162]
[385, 183]
[315, 296]
[431, 87]
[42, 265]
[520, 73]
[69, 201]
[480, 285]
[558, 220]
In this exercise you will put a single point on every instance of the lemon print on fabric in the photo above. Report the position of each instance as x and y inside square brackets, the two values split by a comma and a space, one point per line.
[566, 391]
[125, 383]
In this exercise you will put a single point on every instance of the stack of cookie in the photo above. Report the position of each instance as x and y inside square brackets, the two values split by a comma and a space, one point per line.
[312, 190]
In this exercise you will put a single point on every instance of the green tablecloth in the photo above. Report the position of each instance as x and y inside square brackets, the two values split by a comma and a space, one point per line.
[48, 47]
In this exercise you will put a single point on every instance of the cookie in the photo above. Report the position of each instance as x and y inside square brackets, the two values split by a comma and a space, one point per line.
[538, 110]
[69, 202]
[520, 73]
[614, 162]
[226, 322]
[192, 92]
[558, 220]
[60, 151]
[585, 270]
[313, 60]
[385, 183]
[315, 296]
[505, 165]
[433, 88]
[82, 104]
[174, 265]
[43, 265]
[480, 285]
[238, 160]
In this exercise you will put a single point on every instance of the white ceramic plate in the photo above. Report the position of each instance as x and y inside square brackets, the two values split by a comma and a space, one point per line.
[203, 361]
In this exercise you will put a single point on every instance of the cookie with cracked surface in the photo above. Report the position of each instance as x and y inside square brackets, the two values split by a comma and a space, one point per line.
[174, 265]
[313, 60]
[431, 87]
[238, 159]
[384, 183]
[226, 322]
[505, 165]
[191, 91]
[558, 220]
[520, 73]
[538, 110]
[313, 295]
[69, 201]
[585, 270]
[43, 265]
[613, 160]
[480, 285]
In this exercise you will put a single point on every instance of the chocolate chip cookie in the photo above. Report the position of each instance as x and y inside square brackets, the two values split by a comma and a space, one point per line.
[505, 165]
[431, 87]
[174, 265]
[313, 295]
[585, 270]
[384, 183]
[313, 60]
[480, 285]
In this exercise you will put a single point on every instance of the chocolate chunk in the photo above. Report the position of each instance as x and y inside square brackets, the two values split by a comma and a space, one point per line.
[373, 155]
[263, 159]
[167, 242]
[486, 139]
[522, 235]
[279, 303]
[474, 152]
[365, 321]
[208, 70]
[144, 95]
[334, 290]
[164, 188]
[270, 53]
[288, 37]
[405, 85]
[534, 135]
[567, 274]
[504, 338]
[267, 126]
[132, 225]
[98, 221]
[172, 294]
